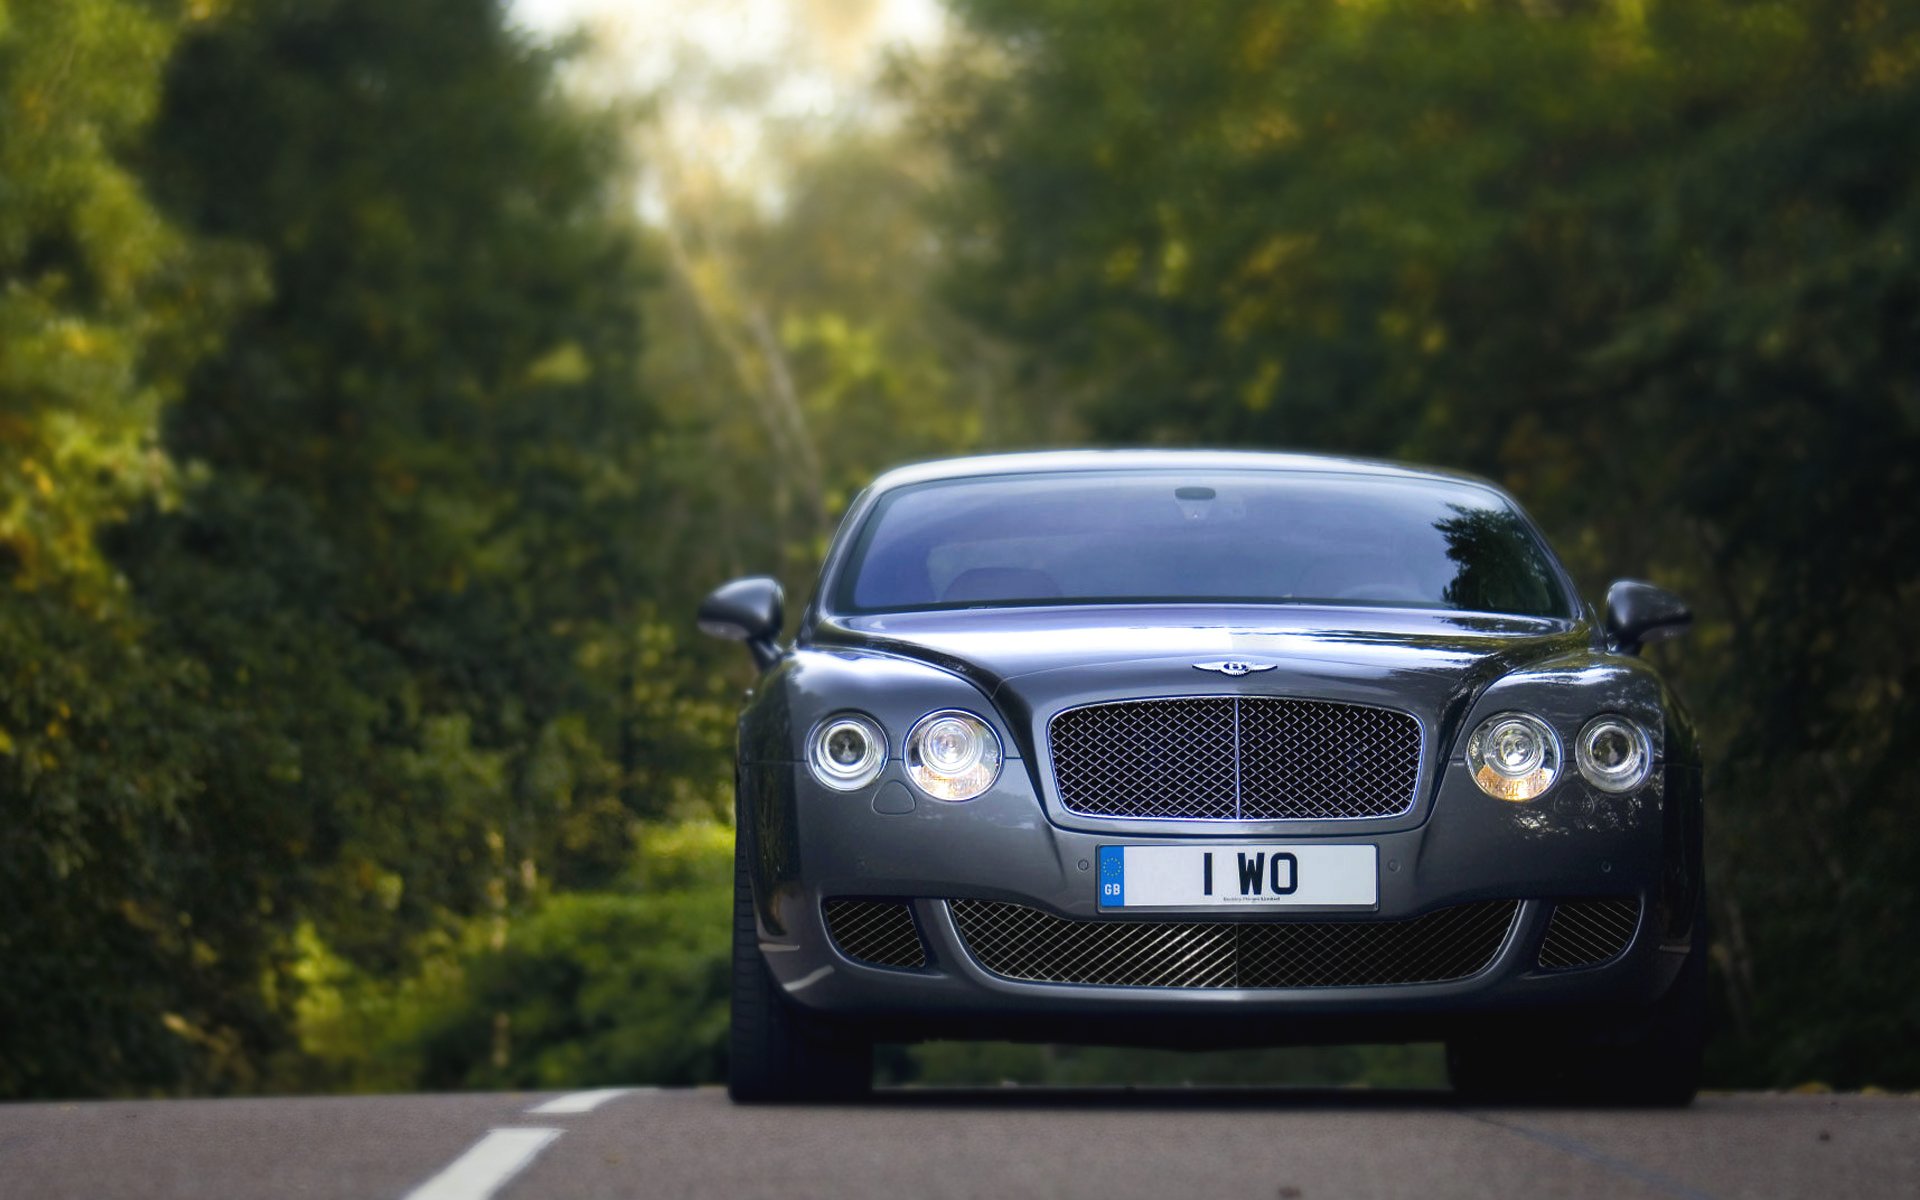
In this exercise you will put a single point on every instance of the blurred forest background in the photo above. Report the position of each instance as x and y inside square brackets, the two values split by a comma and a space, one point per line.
[382, 384]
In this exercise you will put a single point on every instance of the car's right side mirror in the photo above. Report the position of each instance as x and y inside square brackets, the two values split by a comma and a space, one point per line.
[747, 610]
[1638, 613]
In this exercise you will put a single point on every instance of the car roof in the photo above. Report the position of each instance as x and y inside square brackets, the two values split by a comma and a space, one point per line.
[1049, 461]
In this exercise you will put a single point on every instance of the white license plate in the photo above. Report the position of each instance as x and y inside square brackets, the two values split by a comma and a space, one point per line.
[1239, 876]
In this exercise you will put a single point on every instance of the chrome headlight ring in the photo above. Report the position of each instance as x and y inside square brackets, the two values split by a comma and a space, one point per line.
[1614, 753]
[953, 755]
[1514, 756]
[847, 751]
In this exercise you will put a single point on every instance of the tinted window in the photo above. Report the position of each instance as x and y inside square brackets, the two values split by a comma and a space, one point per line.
[1223, 536]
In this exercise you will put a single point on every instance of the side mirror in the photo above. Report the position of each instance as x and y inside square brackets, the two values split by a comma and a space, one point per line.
[1638, 613]
[747, 610]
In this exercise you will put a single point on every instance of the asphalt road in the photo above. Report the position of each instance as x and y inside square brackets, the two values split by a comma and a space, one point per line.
[1163, 1144]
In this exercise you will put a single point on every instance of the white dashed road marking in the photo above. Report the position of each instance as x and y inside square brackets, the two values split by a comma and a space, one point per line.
[486, 1165]
[582, 1102]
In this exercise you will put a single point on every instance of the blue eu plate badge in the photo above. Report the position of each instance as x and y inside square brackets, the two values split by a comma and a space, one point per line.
[1113, 876]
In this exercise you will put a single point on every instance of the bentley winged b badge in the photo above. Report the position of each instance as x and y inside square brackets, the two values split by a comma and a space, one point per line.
[1233, 666]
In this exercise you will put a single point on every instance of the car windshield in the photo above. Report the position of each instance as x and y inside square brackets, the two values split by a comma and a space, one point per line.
[1115, 537]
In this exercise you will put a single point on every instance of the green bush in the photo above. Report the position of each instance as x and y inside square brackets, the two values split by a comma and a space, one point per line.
[579, 989]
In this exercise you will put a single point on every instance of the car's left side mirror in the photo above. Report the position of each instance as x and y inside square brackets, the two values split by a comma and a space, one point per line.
[747, 610]
[1638, 613]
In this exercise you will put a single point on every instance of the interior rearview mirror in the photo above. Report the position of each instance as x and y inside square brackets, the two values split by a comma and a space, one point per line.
[1638, 613]
[747, 610]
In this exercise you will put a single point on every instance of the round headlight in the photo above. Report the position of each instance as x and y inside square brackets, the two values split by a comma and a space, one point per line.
[953, 755]
[847, 751]
[1514, 756]
[1614, 754]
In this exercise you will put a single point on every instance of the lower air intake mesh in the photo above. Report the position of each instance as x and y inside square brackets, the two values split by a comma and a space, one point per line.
[880, 932]
[1586, 933]
[1024, 943]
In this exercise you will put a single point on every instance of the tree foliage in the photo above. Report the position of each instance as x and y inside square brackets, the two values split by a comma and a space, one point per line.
[361, 454]
[1651, 265]
[334, 610]
[104, 305]
[589, 988]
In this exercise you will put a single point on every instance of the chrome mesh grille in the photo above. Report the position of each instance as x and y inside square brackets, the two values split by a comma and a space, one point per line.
[1224, 758]
[1018, 942]
[1149, 758]
[1586, 933]
[880, 932]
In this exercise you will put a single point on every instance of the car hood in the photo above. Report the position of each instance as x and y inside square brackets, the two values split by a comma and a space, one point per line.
[1036, 661]
[995, 647]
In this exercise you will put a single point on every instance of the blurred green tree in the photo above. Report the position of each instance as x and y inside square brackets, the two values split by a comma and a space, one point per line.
[348, 520]
[1651, 265]
[346, 624]
[416, 567]
[609, 987]
[104, 306]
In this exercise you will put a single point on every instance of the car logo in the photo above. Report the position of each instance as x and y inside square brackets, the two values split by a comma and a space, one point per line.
[1233, 666]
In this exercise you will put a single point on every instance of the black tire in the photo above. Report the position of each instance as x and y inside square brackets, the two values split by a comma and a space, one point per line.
[1654, 1062]
[778, 1053]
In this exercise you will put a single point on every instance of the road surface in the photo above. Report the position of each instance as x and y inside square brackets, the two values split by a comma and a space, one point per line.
[1166, 1144]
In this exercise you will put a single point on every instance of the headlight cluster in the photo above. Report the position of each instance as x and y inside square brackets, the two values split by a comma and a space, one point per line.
[1614, 754]
[952, 755]
[1517, 756]
[1514, 756]
[847, 752]
[949, 755]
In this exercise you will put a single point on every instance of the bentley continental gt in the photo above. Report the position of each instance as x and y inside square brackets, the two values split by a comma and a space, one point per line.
[1198, 749]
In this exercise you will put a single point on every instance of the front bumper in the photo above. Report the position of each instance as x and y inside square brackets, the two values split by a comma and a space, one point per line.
[810, 846]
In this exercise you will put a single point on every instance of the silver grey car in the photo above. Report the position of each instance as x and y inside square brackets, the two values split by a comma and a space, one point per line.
[1213, 749]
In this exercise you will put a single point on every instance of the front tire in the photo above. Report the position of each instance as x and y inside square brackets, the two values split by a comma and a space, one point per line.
[778, 1052]
[1653, 1063]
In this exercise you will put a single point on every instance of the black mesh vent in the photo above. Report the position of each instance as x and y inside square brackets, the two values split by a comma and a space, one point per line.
[880, 932]
[1019, 942]
[1152, 758]
[1586, 933]
[1225, 758]
[1304, 760]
